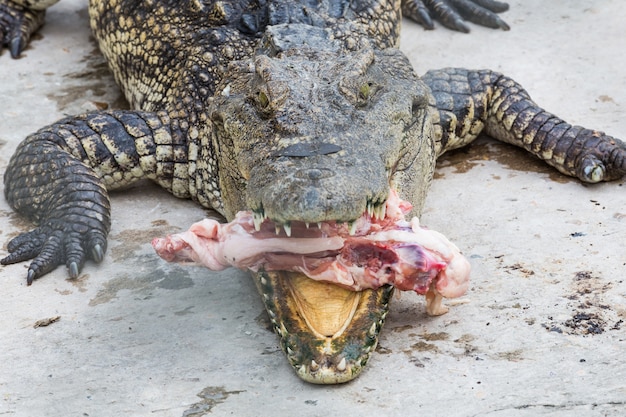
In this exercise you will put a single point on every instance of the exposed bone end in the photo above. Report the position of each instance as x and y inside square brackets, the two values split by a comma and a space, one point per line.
[434, 305]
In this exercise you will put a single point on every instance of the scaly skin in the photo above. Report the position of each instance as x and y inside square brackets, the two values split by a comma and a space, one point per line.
[299, 113]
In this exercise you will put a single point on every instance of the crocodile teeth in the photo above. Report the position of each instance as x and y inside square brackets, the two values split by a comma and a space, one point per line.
[372, 331]
[277, 229]
[383, 210]
[283, 330]
[353, 226]
[341, 366]
[287, 228]
[307, 224]
[314, 366]
[258, 219]
[319, 225]
[370, 209]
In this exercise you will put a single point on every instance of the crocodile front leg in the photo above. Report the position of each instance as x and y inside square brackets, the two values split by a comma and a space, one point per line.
[468, 102]
[59, 176]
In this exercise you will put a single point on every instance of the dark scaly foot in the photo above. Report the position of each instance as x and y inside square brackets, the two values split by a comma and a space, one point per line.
[68, 201]
[453, 13]
[17, 24]
[49, 248]
[59, 176]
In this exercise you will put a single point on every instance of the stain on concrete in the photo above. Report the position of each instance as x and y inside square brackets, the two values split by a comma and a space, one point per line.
[93, 84]
[620, 216]
[525, 272]
[382, 350]
[605, 99]
[434, 336]
[512, 355]
[185, 311]
[79, 282]
[132, 240]
[263, 321]
[19, 222]
[424, 347]
[210, 397]
[398, 329]
[46, 322]
[485, 149]
[144, 283]
[414, 359]
[590, 314]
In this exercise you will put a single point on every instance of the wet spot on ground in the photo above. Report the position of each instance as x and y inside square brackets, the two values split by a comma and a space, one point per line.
[263, 321]
[132, 240]
[79, 282]
[487, 149]
[424, 347]
[401, 328]
[434, 336]
[209, 398]
[89, 88]
[17, 221]
[144, 283]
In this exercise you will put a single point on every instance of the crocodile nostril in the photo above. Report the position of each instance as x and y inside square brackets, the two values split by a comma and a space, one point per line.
[314, 174]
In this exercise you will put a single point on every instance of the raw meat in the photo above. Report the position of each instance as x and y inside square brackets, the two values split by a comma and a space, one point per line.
[383, 251]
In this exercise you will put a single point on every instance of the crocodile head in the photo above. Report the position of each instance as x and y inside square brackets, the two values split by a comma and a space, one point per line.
[319, 134]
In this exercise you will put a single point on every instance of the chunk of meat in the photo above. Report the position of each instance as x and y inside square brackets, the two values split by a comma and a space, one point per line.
[380, 251]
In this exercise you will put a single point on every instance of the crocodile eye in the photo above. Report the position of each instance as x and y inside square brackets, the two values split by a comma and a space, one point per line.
[263, 100]
[365, 91]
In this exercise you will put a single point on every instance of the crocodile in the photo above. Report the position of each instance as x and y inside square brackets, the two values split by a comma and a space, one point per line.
[302, 112]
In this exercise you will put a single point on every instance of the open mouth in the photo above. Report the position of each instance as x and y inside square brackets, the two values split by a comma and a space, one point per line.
[326, 286]
[379, 248]
[328, 333]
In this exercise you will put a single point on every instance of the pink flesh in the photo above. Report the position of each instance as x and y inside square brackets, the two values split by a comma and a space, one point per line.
[382, 251]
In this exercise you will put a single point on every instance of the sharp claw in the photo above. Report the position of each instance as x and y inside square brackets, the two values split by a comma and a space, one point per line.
[97, 253]
[73, 270]
[460, 25]
[423, 17]
[30, 277]
[16, 47]
[502, 24]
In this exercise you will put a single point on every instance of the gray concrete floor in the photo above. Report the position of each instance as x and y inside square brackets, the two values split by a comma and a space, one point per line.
[138, 337]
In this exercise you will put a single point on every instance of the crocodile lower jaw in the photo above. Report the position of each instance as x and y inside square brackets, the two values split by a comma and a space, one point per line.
[328, 333]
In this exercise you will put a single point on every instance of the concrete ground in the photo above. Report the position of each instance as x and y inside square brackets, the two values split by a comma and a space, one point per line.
[540, 332]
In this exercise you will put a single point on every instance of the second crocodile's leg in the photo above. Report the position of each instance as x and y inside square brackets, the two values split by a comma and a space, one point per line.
[59, 176]
[453, 13]
[469, 102]
[19, 19]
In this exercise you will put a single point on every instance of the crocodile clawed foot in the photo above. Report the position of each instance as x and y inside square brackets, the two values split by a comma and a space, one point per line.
[17, 24]
[602, 157]
[49, 247]
[453, 13]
